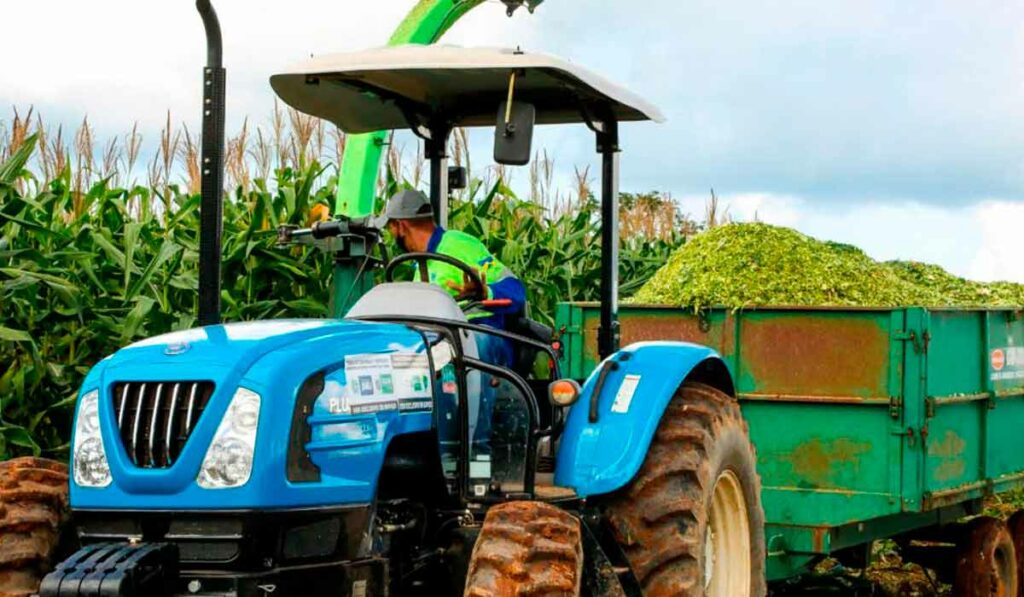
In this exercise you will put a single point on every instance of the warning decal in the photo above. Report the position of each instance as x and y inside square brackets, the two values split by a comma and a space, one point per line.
[379, 382]
[624, 397]
[1007, 363]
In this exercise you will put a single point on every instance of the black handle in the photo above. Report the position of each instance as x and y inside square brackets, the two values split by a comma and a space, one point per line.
[609, 366]
[326, 229]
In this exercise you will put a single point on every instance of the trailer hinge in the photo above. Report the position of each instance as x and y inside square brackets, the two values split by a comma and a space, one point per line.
[895, 406]
[920, 344]
[929, 408]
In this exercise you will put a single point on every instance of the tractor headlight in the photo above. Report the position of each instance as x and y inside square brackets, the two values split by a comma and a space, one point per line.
[90, 459]
[228, 461]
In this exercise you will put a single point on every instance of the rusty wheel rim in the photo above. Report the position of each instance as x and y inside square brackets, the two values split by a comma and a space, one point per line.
[1003, 564]
[727, 566]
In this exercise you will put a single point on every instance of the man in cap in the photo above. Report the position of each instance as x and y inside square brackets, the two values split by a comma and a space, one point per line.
[409, 219]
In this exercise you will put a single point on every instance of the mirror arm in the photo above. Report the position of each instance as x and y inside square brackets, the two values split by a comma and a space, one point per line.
[597, 126]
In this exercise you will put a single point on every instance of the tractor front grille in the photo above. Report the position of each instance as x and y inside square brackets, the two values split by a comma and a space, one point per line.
[156, 418]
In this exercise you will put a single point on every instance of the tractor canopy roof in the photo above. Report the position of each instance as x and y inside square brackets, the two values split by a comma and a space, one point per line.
[415, 85]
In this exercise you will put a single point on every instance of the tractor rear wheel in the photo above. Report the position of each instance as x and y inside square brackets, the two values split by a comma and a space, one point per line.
[526, 549]
[986, 563]
[691, 521]
[33, 506]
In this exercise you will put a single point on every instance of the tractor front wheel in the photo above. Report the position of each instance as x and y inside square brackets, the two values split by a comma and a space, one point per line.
[691, 522]
[33, 506]
[526, 549]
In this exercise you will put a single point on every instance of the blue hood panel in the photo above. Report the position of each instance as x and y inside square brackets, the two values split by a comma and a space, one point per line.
[274, 359]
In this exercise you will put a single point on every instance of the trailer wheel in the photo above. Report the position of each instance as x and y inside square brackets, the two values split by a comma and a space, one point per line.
[33, 506]
[1016, 527]
[526, 549]
[986, 564]
[691, 521]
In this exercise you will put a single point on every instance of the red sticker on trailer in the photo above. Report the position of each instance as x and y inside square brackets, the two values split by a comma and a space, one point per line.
[998, 359]
[1007, 363]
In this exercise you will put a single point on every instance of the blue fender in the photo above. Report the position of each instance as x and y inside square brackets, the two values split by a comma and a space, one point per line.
[601, 457]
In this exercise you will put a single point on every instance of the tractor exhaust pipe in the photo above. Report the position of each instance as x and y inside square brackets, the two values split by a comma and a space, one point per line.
[211, 209]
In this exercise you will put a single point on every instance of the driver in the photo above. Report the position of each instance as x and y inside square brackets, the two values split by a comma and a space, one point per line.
[409, 218]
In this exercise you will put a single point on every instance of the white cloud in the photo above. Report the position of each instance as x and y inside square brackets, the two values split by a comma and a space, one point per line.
[1001, 256]
[120, 61]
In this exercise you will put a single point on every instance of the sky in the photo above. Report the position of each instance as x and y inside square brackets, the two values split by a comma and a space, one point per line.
[894, 126]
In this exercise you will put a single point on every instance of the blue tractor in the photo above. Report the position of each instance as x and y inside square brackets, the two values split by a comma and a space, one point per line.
[355, 456]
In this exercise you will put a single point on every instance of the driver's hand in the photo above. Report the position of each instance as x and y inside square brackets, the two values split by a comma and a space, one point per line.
[468, 289]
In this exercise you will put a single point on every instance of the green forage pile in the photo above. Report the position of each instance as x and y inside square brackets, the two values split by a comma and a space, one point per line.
[745, 265]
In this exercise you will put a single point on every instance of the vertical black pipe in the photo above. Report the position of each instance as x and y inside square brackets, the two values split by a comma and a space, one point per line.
[608, 147]
[437, 152]
[211, 209]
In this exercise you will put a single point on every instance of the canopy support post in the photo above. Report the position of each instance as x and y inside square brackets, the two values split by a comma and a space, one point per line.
[608, 147]
[211, 209]
[436, 149]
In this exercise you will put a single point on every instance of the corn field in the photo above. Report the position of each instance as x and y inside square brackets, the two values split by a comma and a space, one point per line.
[99, 246]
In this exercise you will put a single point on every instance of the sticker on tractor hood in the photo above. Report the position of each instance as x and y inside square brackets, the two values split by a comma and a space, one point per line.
[1007, 363]
[379, 382]
[624, 397]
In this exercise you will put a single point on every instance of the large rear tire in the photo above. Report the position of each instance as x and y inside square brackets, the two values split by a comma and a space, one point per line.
[526, 549]
[691, 521]
[986, 562]
[33, 506]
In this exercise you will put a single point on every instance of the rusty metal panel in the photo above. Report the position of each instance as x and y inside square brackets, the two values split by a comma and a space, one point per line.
[827, 353]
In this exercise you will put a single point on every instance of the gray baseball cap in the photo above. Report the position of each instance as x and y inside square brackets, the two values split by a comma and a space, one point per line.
[404, 205]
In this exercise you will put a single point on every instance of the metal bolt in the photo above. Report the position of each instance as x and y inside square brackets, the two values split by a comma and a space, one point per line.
[194, 586]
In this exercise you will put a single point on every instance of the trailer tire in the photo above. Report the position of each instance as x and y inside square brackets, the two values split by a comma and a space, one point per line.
[986, 563]
[1016, 526]
[33, 508]
[696, 499]
[526, 549]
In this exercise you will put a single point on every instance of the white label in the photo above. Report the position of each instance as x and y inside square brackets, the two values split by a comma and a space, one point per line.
[624, 397]
[378, 382]
[480, 469]
[359, 588]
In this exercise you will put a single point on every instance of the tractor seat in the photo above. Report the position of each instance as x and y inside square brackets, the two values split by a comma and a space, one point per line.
[413, 299]
[409, 299]
[522, 325]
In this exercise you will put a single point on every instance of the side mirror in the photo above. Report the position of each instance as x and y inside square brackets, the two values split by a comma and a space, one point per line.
[513, 136]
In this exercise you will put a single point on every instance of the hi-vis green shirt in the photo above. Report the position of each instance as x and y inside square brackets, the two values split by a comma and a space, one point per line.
[501, 282]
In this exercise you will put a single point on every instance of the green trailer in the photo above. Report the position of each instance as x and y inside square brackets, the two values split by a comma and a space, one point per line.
[868, 423]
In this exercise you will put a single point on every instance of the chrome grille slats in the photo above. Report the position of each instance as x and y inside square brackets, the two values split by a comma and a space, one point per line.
[155, 420]
[191, 404]
[152, 423]
[123, 404]
[134, 445]
[170, 424]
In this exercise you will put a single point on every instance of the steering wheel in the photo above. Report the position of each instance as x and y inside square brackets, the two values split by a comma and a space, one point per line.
[421, 260]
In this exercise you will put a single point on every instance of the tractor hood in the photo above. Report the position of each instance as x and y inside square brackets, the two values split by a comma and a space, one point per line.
[275, 360]
[233, 345]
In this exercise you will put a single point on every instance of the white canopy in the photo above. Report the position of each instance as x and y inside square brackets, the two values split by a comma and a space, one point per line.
[395, 87]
